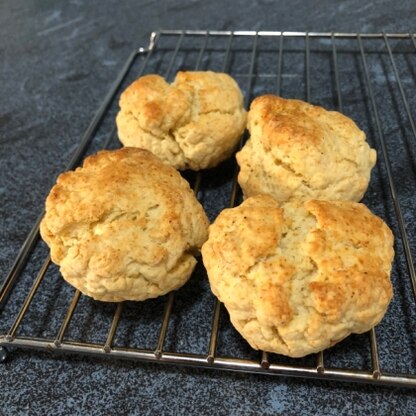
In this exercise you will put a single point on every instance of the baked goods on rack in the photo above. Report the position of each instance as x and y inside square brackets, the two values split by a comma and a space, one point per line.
[298, 277]
[194, 123]
[124, 226]
[300, 151]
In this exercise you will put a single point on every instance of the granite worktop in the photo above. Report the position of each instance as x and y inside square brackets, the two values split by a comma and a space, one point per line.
[58, 59]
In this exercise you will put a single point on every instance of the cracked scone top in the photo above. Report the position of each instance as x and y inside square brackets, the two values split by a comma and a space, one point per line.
[193, 123]
[300, 151]
[300, 277]
[125, 226]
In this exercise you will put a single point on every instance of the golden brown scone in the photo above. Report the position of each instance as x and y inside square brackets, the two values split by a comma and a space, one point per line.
[125, 226]
[300, 151]
[297, 279]
[193, 123]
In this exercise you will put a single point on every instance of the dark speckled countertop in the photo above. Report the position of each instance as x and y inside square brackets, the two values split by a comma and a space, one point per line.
[57, 61]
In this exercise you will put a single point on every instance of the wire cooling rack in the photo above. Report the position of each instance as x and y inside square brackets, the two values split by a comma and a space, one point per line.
[369, 77]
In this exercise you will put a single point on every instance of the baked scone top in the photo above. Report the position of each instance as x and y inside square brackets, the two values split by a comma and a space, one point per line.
[300, 151]
[124, 226]
[298, 278]
[193, 123]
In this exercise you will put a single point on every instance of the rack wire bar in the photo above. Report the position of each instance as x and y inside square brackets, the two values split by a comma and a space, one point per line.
[375, 363]
[113, 328]
[279, 66]
[251, 72]
[175, 54]
[400, 85]
[197, 183]
[68, 316]
[20, 262]
[226, 63]
[201, 53]
[264, 365]
[393, 192]
[337, 84]
[214, 331]
[307, 66]
[29, 298]
[265, 33]
[222, 363]
[320, 367]
[165, 322]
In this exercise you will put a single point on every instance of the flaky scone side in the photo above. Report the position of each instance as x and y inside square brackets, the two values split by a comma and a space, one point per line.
[300, 277]
[124, 226]
[193, 123]
[300, 151]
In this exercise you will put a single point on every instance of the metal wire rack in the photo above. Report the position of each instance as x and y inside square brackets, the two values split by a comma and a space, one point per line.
[366, 76]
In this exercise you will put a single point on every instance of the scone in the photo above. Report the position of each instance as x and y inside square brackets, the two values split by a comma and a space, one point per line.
[299, 277]
[194, 123]
[300, 151]
[124, 226]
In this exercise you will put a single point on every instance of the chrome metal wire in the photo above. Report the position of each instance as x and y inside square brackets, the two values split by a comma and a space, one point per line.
[266, 364]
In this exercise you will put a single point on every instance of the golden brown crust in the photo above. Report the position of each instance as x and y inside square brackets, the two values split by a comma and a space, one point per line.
[300, 277]
[193, 123]
[300, 151]
[123, 226]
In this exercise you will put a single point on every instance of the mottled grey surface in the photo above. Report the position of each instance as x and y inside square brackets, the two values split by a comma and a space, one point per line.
[58, 60]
